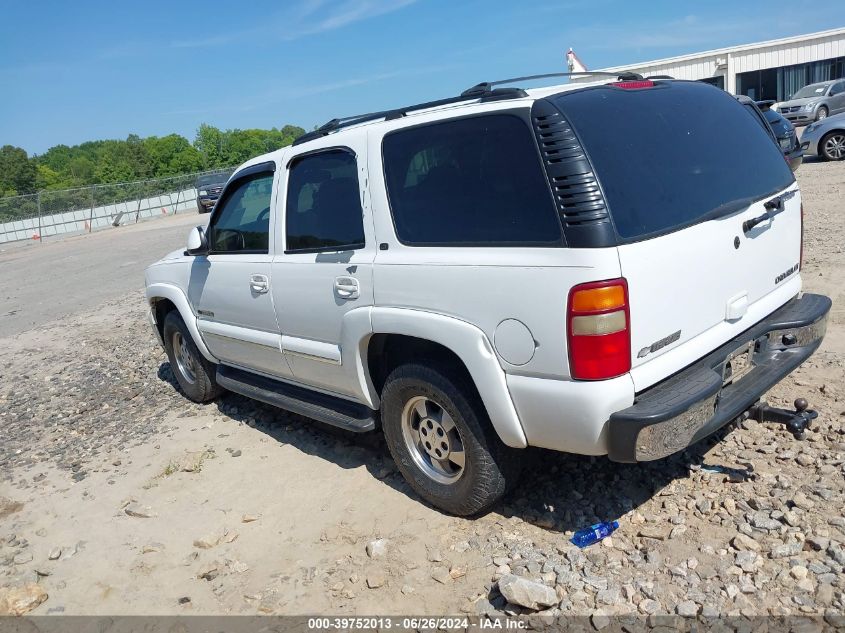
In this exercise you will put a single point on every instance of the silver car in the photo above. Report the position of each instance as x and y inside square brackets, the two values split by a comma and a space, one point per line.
[825, 138]
[814, 102]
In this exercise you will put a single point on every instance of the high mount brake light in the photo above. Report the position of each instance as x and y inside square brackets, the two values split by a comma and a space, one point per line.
[598, 330]
[633, 85]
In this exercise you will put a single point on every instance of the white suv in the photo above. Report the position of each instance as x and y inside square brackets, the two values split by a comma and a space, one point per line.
[605, 269]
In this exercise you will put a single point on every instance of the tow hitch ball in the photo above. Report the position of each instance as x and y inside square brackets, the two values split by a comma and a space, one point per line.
[796, 422]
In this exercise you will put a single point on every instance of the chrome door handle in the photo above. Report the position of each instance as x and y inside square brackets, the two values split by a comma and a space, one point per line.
[259, 284]
[346, 287]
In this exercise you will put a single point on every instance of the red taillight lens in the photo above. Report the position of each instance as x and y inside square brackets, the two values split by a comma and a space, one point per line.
[633, 85]
[598, 330]
[801, 257]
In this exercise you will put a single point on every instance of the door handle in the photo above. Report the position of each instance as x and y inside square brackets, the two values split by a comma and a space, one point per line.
[346, 287]
[259, 284]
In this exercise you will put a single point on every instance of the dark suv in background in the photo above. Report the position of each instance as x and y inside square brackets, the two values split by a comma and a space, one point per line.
[784, 133]
[209, 187]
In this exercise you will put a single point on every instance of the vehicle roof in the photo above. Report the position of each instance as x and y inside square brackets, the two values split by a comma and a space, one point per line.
[470, 106]
[826, 82]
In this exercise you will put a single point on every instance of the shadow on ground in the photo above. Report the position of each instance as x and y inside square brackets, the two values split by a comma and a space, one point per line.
[557, 491]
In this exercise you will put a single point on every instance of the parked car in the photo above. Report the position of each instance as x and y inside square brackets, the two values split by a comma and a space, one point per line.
[501, 269]
[814, 102]
[825, 138]
[784, 133]
[209, 187]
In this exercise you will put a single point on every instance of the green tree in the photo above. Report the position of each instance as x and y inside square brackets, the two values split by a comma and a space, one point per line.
[111, 161]
[17, 172]
[172, 155]
[210, 142]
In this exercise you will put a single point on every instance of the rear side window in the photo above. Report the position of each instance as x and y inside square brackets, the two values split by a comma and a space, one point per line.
[323, 210]
[475, 181]
[672, 155]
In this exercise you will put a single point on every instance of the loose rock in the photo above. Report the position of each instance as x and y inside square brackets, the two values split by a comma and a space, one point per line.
[526, 593]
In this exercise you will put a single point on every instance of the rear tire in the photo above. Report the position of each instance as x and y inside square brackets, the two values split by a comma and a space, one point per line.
[442, 441]
[195, 375]
[832, 145]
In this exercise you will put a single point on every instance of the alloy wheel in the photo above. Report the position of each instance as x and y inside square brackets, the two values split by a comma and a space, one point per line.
[834, 146]
[433, 440]
[184, 358]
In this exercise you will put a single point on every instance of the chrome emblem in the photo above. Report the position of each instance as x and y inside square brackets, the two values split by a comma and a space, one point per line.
[658, 345]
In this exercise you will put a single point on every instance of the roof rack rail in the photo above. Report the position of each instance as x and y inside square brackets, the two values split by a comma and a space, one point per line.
[396, 113]
[488, 85]
[485, 91]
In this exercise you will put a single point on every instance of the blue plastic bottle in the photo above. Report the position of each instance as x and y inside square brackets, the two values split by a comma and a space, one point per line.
[594, 533]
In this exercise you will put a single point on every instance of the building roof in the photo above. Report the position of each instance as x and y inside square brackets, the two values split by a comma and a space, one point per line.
[730, 49]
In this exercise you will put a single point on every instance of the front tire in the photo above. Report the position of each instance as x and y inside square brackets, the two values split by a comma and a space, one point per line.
[195, 375]
[821, 113]
[832, 146]
[441, 439]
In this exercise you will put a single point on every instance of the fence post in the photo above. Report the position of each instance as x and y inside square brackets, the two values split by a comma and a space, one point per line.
[38, 202]
[91, 218]
[176, 208]
[140, 198]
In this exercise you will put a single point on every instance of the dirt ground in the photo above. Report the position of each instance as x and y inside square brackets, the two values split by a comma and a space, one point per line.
[119, 496]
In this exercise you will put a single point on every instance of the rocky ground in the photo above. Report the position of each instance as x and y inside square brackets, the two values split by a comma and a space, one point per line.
[118, 496]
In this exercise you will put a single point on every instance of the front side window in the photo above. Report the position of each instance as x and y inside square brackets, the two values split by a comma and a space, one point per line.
[323, 210]
[241, 224]
[476, 181]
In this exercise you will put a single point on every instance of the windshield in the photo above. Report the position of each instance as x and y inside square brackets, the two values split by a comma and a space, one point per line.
[673, 155]
[213, 179]
[813, 90]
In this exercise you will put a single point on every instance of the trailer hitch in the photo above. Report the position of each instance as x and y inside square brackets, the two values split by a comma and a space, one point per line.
[796, 422]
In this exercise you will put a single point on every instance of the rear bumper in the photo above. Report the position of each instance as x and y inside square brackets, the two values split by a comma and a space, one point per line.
[692, 404]
[795, 158]
[810, 145]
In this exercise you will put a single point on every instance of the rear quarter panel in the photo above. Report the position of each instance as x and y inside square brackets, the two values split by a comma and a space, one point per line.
[484, 285]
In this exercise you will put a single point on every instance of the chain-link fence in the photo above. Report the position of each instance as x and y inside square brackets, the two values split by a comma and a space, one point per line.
[48, 213]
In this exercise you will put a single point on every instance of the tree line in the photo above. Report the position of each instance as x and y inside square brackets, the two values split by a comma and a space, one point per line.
[136, 158]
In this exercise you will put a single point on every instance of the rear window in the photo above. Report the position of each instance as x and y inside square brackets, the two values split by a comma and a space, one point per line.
[673, 155]
[475, 181]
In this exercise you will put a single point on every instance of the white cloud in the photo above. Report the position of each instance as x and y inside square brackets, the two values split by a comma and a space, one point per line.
[308, 17]
[689, 31]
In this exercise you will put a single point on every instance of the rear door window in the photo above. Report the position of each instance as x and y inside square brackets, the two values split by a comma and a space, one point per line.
[323, 211]
[673, 155]
[475, 181]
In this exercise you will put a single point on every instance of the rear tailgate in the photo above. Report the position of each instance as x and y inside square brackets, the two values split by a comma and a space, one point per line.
[692, 290]
[682, 166]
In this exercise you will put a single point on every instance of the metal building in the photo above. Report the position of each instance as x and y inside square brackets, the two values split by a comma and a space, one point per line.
[766, 70]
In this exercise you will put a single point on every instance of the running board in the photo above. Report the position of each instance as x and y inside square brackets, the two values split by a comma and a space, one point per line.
[338, 412]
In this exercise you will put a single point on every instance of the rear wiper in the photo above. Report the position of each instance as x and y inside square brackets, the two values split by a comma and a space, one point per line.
[773, 207]
[728, 208]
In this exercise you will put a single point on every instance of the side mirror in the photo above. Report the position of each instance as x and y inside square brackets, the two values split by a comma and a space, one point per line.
[197, 242]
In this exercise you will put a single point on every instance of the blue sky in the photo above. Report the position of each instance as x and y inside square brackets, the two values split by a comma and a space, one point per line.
[83, 70]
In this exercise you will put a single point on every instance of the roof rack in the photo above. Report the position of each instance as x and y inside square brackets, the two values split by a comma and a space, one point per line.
[396, 113]
[488, 85]
[484, 91]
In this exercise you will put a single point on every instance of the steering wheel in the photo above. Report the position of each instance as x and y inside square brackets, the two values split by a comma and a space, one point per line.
[264, 215]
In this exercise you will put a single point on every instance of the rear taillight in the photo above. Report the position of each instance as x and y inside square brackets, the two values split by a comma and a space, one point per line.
[801, 257]
[598, 330]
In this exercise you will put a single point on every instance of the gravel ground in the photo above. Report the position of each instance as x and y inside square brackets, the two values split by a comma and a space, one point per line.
[117, 495]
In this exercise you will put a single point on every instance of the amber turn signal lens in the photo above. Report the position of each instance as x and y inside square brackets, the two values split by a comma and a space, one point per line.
[598, 299]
